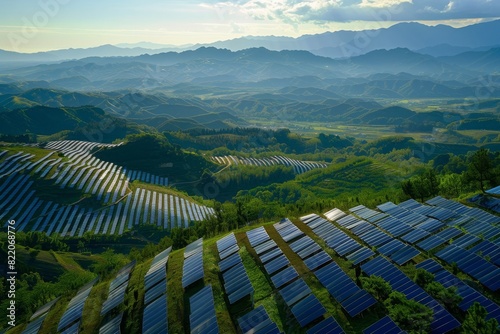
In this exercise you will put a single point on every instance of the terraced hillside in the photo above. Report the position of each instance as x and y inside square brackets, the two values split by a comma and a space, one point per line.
[299, 167]
[302, 276]
[64, 189]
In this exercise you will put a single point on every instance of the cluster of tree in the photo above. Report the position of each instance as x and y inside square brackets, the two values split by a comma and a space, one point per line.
[26, 138]
[446, 296]
[477, 171]
[32, 291]
[410, 315]
[42, 241]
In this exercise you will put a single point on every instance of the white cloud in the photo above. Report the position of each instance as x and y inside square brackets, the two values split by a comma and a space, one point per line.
[321, 11]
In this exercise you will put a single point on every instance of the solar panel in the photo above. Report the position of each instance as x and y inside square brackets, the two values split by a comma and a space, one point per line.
[391, 247]
[276, 264]
[301, 243]
[192, 269]
[488, 249]
[283, 277]
[257, 236]
[265, 246]
[226, 242]
[202, 308]
[308, 251]
[360, 255]
[236, 283]
[358, 302]
[384, 326]
[34, 326]
[307, 310]
[257, 321]
[431, 242]
[155, 317]
[334, 214]
[268, 256]
[155, 292]
[317, 260]
[193, 248]
[415, 235]
[468, 294]
[112, 326]
[466, 240]
[294, 292]
[75, 308]
[326, 326]
[229, 262]
[404, 255]
[229, 251]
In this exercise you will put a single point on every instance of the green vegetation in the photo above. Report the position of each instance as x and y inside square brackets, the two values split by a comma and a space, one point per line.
[411, 316]
[475, 321]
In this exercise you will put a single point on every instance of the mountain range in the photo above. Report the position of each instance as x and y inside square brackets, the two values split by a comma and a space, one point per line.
[440, 40]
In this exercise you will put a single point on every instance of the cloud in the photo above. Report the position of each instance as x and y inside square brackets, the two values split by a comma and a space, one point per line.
[323, 11]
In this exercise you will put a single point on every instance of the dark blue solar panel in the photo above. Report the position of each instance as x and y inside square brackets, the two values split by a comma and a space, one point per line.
[301, 243]
[309, 250]
[466, 240]
[391, 247]
[112, 326]
[283, 277]
[257, 321]
[192, 269]
[326, 326]
[358, 302]
[226, 242]
[278, 263]
[155, 317]
[415, 235]
[229, 262]
[268, 256]
[257, 236]
[229, 251]
[488, 249]
[431, 242]
[375, 238]
[383, 326]
[348, 246]
[360, 255]
[202, 308]
[294, 292]
[431, 225]
[317, 260]
[265, 246]
[307, 310]
[404, 255]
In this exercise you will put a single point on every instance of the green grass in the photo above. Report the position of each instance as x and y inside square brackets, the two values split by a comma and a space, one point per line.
[175, 292]
[44, 263]
[134, 299]
[91, 320]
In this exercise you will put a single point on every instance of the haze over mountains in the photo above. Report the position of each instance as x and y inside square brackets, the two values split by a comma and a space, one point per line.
[440, 40]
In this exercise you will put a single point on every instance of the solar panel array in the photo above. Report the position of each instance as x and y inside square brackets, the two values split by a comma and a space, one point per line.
[38, 317]
[384, 326]
[472, 264]
[106, 181]
[298, 165]
[305, 307]
[236, 282]
[443, 321]
[338, 240]
[155, 299]
[257, 321]
[494, 191]
[193, 263]
[202, 317]
[71, 317]
[469, 295]
[117, 289]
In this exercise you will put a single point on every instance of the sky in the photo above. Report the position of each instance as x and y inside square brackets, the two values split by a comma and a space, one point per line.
[41, 25]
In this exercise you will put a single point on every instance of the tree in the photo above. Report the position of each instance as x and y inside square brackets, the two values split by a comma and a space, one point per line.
[475, 321]
[377, 287]
[408, 314]
[423, 277]
[446, 296]
[481, 168]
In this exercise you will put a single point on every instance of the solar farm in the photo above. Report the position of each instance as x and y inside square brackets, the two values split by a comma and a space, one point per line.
[70, 165]
[301, 276]
[299, 167]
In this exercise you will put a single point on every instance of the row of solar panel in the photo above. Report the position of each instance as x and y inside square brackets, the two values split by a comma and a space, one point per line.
[469, 295]
[155, 299]
[73, 314]
[36, 320]
[192, 269]
[117, 288]
[202, 317]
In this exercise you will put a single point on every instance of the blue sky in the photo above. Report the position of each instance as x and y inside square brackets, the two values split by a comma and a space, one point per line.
[39, 25]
